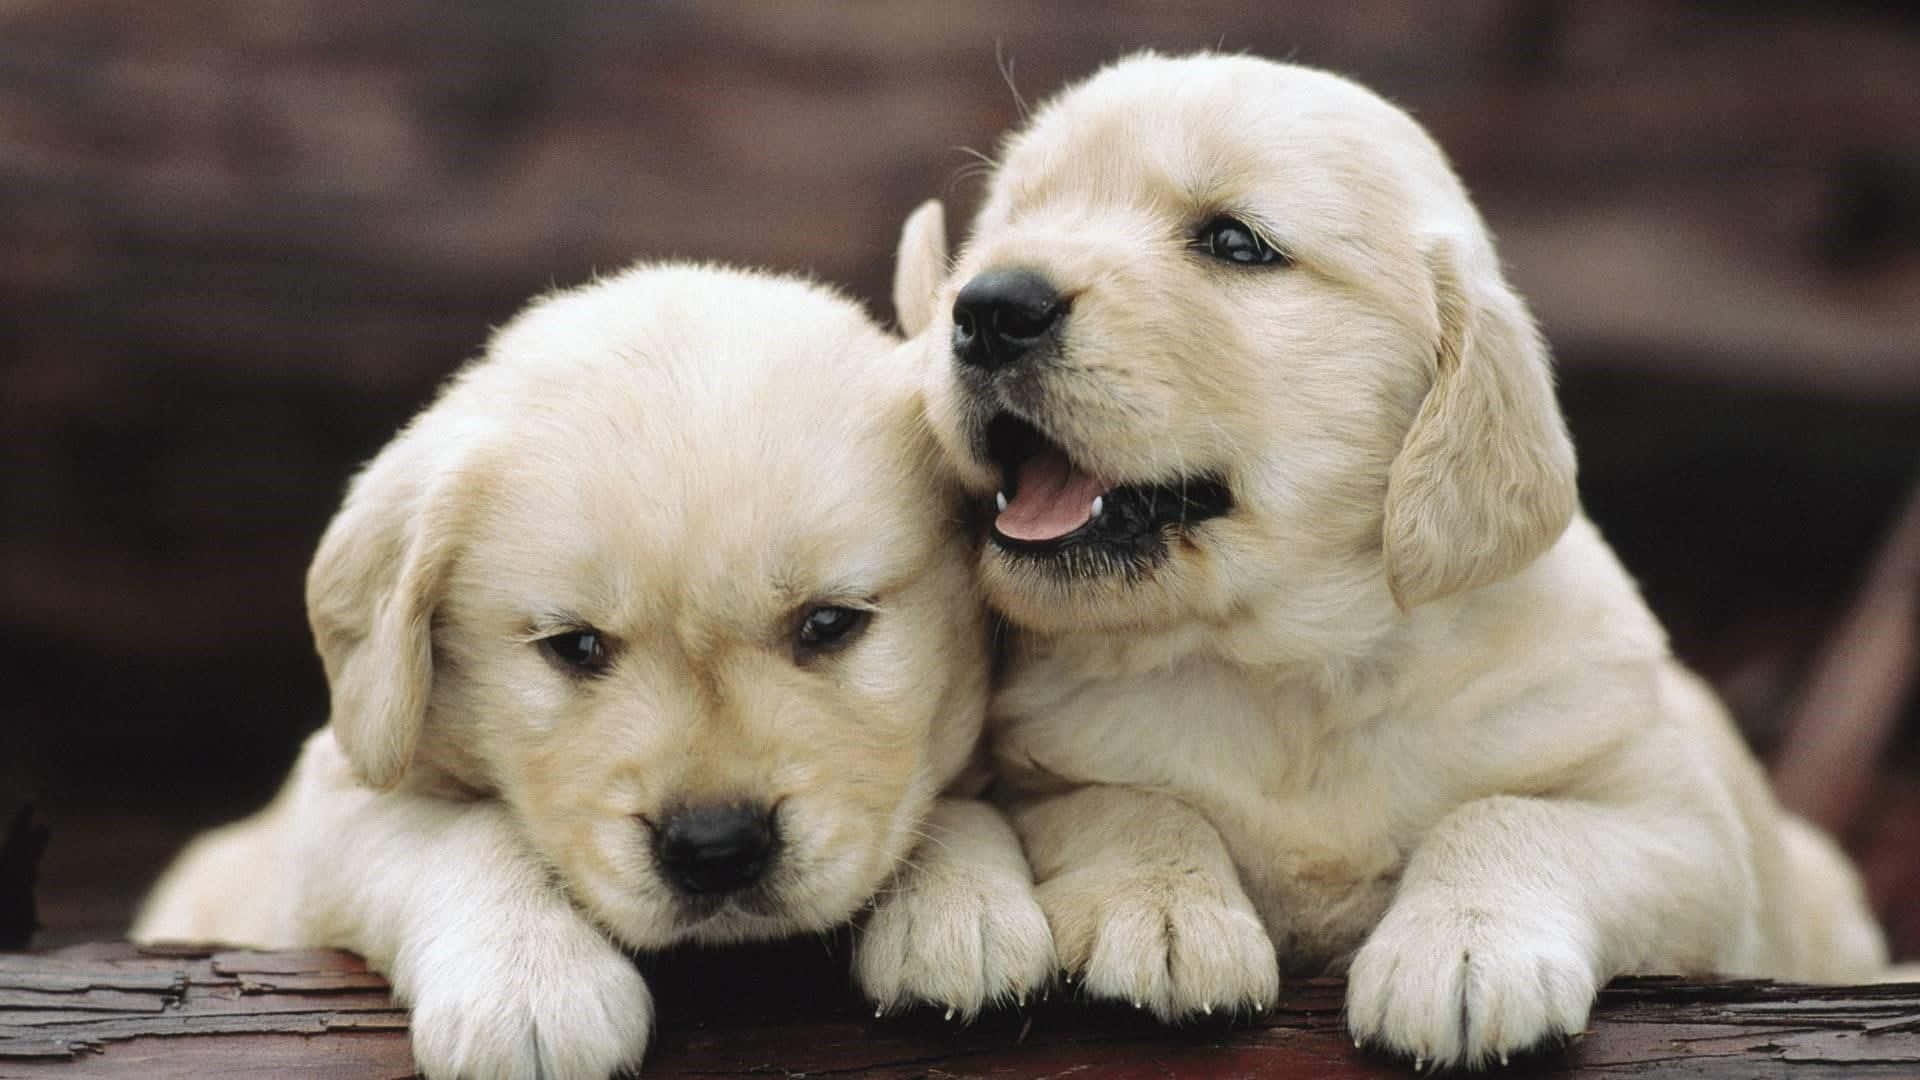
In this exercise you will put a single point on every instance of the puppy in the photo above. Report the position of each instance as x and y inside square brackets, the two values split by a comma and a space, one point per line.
[657, 626]
[1319, 666]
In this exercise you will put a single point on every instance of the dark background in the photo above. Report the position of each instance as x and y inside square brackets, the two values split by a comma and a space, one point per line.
[242, 240]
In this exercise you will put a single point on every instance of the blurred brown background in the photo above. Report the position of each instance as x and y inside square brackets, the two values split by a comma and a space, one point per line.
[241, 240]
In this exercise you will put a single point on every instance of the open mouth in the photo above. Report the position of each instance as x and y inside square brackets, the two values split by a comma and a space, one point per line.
[1049, 506]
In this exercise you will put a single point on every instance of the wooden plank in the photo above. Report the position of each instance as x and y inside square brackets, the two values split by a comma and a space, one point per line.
[340, 1057]
[114, 1009]
[787, 1010]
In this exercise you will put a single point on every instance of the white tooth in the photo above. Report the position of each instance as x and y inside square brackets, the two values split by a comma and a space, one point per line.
[1099, 504]
[1000, 500]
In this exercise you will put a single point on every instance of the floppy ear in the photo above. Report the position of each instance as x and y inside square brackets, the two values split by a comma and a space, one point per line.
[371, 593]
[919, 266]
[1484, 482]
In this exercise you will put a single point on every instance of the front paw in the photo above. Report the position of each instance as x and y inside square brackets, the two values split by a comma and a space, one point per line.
[954, 941]
[558, 1005]
[1464, 984]
[1180, 944]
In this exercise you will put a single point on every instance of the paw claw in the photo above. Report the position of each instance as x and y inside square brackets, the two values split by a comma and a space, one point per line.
[958, 942]
[1443, 983]
[1175, 944]
[587, 1016]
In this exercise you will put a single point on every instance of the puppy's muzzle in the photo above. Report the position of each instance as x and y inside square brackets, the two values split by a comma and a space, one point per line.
[1001, 315]
[711, 850]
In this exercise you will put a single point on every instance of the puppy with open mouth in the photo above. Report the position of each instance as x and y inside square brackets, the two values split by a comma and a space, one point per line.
[656, 627]
[1318, 664]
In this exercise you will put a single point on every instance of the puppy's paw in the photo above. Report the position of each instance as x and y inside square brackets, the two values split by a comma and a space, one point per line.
[1465, 984]
[1179, 944]
[551, 1008]
[955, 941]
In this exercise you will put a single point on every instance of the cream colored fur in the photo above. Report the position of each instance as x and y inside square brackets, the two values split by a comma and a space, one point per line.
[1400, 713]
[686, 459]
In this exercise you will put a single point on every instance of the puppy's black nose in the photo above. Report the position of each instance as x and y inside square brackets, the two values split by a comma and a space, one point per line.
[716, 849]
[1002, 314]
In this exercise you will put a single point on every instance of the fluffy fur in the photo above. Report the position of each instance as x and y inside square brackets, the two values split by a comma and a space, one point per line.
[1399, 712]
[686, 460]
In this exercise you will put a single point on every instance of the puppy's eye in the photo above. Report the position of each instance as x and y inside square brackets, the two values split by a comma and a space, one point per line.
[1231, 240]
[582, 651]
[828, 628]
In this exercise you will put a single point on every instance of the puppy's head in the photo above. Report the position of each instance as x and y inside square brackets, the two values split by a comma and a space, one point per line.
[1229, 335]
[671, 572]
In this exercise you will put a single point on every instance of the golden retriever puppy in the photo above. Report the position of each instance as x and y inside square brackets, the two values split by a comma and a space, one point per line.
[657, 626]
[1319, 667]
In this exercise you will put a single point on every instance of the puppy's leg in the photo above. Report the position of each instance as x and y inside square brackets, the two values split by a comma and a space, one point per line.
[215, 890]
[504, 976]
[1514, 911]
[960, 926]
[1830, 933]
[1145, 903]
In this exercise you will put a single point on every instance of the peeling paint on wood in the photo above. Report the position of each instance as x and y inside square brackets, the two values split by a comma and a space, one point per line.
[115, 1010]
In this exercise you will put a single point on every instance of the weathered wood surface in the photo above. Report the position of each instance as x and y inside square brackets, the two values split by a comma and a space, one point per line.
[116, 1010]
[113, 1010]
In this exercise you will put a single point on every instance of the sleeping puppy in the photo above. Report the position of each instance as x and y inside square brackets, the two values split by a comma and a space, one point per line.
[655, 627]
[1319, 665]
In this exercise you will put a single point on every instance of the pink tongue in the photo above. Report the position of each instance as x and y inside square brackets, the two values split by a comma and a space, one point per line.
[1051, 499]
